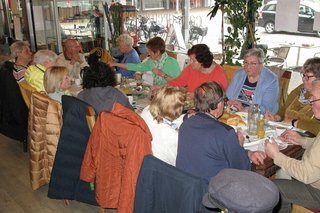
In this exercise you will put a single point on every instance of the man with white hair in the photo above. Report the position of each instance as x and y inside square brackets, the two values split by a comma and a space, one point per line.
[304, 188]
[43, 59]
[21, 57]
[72, 57]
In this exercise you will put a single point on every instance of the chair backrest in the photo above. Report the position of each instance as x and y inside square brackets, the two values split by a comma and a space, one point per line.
[91, 117]
[230, 70]
[26, 92]
[283, 87]
[165, 188]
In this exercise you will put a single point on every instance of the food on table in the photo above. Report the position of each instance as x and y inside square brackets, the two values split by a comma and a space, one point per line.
[231, 119]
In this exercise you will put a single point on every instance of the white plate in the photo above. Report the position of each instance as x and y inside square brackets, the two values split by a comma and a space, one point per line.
[284, 125]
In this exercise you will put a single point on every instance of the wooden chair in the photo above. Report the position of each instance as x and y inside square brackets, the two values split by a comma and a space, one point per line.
[26, 92]
[91, 117]
[283, 87]
[230, 70]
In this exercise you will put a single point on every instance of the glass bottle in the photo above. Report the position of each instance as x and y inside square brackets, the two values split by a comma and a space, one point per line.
[253, 116]
[260, 128]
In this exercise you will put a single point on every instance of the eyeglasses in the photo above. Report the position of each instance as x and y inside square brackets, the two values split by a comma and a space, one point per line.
[251, 63]
[309, 101]
[303, 75]
[315, 100]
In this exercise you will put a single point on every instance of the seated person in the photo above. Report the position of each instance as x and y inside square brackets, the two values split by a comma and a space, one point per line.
[130, 55]
[295, 112]
[72, 57]
[205, 145]
[56, 82]
[22, 56]
[164, 67]
[164, 117]
[304, 188]
[43, 59]
[201, 69]
[254, 84]
[98, 88]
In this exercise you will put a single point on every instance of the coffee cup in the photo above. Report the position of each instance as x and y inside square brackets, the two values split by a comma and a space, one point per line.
[130, 98]
[118, 78]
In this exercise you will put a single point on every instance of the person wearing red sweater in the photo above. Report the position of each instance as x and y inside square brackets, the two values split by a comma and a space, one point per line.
[201, 69]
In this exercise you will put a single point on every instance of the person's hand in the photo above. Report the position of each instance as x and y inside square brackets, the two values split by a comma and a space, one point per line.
[269, 116]
[237, 104]
[257, 157]
[271, 148]
[76, 58]
[292, 137]
[240, 136]
[155, 88]
[156, 71]
[138, 76]
[112, 63]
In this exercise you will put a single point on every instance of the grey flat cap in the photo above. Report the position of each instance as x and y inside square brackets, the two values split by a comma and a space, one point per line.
[241, 191]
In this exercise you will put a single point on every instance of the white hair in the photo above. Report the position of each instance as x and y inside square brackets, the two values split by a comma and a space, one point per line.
[43, 56]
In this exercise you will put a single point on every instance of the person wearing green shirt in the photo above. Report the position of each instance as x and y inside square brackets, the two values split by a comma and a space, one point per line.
[164, 68]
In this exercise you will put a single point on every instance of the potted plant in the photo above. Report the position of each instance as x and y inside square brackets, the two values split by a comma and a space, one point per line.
[241, 34]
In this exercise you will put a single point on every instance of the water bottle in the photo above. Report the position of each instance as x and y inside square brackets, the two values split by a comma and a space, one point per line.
[253, 117]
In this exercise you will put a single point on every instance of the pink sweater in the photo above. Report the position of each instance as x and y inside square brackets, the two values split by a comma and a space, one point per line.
[191, 78]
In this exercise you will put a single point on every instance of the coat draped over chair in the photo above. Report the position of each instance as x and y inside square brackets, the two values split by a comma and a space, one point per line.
[45, 120]
[13, 110]
[65, 180]
[162, 188]
[118, 142]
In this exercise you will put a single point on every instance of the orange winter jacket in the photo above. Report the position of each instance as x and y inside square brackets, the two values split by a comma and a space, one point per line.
[118, 143]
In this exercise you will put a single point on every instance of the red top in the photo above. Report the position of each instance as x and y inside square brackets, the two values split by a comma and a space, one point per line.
[191, 79]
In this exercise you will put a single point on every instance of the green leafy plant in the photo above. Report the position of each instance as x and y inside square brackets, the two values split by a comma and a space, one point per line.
[241, 34]
[116, 17]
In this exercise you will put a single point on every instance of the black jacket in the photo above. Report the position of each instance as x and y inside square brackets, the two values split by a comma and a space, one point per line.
[13, 110]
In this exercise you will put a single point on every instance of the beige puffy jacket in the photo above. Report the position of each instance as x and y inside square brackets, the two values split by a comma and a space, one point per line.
[44, 124]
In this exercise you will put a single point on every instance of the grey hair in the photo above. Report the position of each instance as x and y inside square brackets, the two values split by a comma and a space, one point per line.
[17, 47]
[312, 65]
[255, 52]
[42, 56]
[125, 38]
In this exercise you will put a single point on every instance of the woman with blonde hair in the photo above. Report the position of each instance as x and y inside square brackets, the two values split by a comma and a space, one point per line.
[56, 82]
[164, 117]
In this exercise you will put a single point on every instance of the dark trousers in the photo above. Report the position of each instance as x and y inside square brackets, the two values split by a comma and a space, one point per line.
[296, 192]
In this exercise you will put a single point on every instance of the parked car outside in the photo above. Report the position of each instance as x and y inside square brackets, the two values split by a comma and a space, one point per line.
[307, 10]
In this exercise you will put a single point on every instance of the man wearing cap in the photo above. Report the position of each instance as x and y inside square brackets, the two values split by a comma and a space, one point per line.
[304, 188]
[241, 191]
[205, 145]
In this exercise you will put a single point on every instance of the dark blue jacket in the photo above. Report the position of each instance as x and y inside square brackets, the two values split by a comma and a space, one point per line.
[206, 146]
[162, 188]
[65, 180]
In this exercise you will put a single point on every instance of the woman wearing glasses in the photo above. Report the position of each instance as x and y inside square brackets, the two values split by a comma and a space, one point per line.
[297, 109]
[254, 83]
